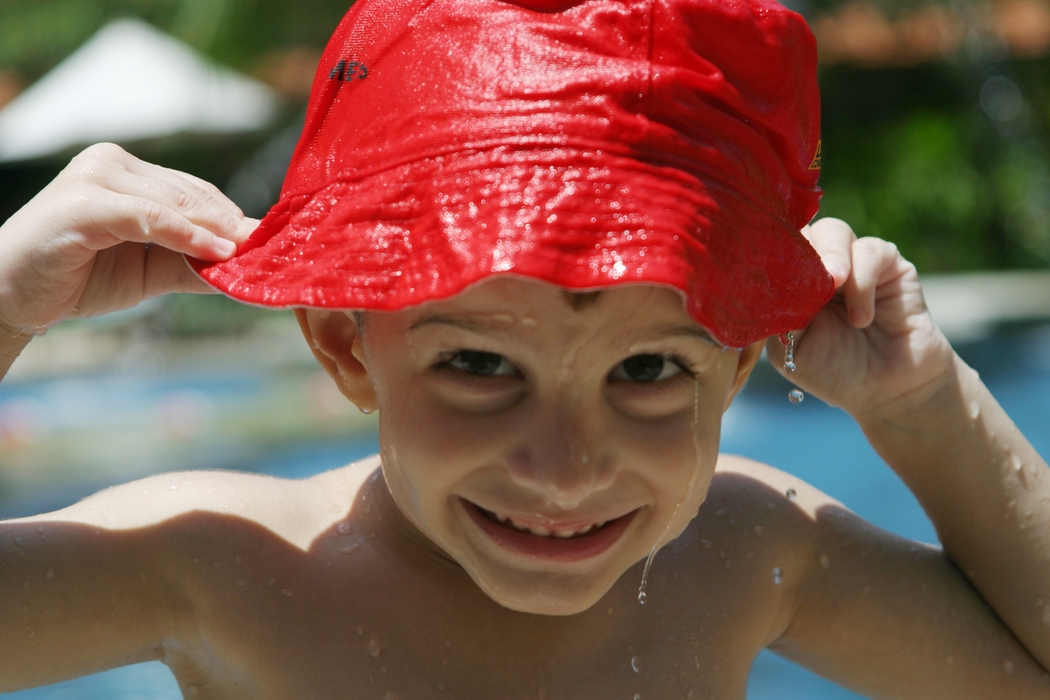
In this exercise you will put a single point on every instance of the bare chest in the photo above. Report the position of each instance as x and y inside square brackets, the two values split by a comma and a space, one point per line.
[383, 630]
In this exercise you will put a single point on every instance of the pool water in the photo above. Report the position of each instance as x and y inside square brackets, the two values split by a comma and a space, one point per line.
[819, 444]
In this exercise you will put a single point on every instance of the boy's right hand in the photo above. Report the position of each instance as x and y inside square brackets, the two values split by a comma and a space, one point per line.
[106, 234]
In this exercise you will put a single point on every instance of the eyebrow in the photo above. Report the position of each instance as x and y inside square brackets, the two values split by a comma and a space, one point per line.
[696, 332]
[689, 332]
[455, 321]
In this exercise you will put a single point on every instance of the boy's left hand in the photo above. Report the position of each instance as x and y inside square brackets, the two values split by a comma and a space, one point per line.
[874, 349]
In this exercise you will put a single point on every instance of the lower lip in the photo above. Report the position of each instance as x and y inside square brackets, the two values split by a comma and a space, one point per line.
[551, 548]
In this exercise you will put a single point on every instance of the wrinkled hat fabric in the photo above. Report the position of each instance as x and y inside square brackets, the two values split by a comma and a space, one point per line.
[587, 144]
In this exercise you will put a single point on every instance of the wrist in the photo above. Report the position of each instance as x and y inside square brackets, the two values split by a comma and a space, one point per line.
[910, 406]
[12, 342]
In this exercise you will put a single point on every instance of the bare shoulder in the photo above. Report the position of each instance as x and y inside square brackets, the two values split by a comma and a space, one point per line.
[293, 509]
[762, 496]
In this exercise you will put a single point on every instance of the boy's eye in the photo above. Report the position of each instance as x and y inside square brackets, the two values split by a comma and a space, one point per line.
[645, 368]
[485, 364]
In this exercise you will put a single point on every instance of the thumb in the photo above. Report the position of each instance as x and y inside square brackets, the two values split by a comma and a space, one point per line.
[168, 273]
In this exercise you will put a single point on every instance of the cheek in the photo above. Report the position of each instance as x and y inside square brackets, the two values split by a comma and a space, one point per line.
[428, 450]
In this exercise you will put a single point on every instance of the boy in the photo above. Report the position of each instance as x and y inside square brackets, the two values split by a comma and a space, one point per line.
[521, 228]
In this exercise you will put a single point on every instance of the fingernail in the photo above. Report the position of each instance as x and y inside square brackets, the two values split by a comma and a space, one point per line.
[838, 272]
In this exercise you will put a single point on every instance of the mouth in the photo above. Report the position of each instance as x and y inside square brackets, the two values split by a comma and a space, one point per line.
[568, 543]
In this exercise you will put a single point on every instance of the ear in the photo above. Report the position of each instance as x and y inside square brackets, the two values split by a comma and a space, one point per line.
[335, 340]
[748, 359]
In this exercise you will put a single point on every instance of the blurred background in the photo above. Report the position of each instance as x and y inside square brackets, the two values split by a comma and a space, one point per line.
[935, 136]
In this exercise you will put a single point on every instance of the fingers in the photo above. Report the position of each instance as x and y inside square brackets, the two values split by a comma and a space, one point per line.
[169, 208]
[872, 259]
[832, 239]
[114, 218]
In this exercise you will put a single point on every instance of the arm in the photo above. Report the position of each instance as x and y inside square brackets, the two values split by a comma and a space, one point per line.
[109, 232]
[885, 616]
[985, 489]
[76, 599]
[876, 352]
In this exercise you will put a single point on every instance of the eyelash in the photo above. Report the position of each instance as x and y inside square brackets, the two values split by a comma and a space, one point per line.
[445, 364]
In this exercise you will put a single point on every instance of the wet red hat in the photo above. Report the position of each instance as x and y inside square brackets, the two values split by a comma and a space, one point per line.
[587, 143]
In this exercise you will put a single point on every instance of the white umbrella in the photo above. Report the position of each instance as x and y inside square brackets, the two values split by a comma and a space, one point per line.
[130, 82]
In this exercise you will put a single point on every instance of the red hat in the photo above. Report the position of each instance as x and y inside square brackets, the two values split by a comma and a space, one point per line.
[586, 143]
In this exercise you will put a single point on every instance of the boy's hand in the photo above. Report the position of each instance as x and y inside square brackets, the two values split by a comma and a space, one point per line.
[106, 234]
[874, 349]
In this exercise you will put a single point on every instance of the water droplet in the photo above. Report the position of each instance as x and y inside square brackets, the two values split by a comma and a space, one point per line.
[368, 507]
[778, 577]
[1008, 666]
[825, 561]
[373, 648]
[645, 574]
[791, 494]
[343, 528]
[796, 396]
[286, 593]
[788, 340]
[758, 529]
[975, 410]
[637, 696]
[360, 631]
[706, 544]
[636, 664]
[351, 549]
[194, 690]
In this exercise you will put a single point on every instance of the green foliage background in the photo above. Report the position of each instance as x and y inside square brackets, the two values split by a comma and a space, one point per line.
[909, 154]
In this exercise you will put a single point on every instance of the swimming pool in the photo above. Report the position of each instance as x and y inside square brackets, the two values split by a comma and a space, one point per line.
[817, 443]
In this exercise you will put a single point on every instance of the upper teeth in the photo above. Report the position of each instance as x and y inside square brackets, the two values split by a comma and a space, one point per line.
[541, 531]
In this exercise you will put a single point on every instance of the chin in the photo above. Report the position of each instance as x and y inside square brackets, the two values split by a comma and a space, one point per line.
[544, 594]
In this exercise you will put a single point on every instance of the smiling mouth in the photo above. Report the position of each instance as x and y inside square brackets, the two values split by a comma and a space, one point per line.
[538, 530]
[556, 544]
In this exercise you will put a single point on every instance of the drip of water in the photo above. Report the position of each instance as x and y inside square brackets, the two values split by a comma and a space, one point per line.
[791, 493]
[636, 664]
[778, 576]
[788, 340]
[645, 574]
[642, 596]
[796, 396]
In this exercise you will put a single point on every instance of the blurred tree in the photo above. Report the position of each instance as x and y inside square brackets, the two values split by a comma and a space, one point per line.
[35, 35]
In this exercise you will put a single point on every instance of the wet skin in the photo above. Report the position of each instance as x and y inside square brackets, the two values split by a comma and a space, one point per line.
[401, 578]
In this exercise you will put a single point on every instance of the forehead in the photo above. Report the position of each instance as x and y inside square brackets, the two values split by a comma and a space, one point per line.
[509, 302]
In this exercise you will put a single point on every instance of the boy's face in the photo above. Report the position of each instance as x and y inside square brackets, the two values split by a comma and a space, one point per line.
[545, 441]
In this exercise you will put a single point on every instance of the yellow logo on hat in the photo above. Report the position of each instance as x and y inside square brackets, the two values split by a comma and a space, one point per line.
[815, 165]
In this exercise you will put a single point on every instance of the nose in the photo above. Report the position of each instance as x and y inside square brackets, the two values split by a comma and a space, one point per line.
[565, 457]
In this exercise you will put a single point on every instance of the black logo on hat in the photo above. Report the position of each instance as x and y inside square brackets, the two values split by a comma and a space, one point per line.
[348, 70]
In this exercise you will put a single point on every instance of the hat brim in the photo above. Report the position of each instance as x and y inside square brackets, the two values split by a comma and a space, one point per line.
[577, 218]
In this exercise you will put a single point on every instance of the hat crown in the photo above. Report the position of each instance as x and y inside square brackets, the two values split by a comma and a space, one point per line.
[586, 143]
